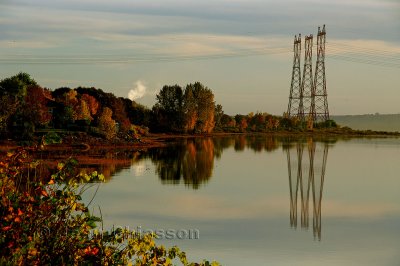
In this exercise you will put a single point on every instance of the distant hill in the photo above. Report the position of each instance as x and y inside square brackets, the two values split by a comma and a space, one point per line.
[379, 122]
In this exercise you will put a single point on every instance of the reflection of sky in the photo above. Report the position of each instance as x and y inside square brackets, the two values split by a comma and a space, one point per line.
[243, 211]
[150, 31]
[139, 168]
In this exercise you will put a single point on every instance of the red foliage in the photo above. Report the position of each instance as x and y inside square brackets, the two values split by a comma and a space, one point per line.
[125, 125]
[92, 103]
[36, 103]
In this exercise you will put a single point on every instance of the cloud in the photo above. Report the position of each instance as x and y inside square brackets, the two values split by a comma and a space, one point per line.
[138, 92]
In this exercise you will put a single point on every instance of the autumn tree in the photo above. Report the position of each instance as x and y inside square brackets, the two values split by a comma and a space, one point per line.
[119, 113]
[91, 102]
[190, 109]
[36, 109]
[227, 121]
[241, 122]
[199, 107]
[107, 125]
[82, 111]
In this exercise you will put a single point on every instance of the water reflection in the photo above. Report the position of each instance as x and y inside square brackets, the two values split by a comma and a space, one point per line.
[306, 169]
[190, 160]
[109, 162]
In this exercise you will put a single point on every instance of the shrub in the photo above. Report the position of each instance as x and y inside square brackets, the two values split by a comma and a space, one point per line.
[45, 222]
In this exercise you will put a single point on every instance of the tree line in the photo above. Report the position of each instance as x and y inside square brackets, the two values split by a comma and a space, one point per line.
[26, 107]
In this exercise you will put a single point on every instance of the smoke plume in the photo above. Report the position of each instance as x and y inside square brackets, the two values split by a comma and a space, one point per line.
[138, 91]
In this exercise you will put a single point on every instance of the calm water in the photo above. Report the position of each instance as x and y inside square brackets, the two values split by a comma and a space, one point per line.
[264, 200]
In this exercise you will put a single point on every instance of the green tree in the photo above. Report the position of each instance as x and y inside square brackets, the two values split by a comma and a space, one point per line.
[169, 108]
[17, 85]
[13, 92]
[218, 114]
[8, 107]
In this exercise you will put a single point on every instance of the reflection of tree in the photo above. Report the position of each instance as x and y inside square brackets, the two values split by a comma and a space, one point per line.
[257, 143]
[306, 169]
[191, 161]
[220, 144]
[240, 143]
[168, 162]
[198, 162]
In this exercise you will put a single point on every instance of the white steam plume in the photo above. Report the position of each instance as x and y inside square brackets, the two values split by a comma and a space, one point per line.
[138, 91]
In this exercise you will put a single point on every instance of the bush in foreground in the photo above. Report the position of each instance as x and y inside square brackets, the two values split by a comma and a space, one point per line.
[46, 223]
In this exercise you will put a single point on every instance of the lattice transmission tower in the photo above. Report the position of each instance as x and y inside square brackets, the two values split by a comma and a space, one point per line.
[294, 97]
[308, 98]
[307, 82]
[319, 108]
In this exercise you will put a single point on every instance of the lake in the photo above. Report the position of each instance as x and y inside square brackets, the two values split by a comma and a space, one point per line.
[263, 200]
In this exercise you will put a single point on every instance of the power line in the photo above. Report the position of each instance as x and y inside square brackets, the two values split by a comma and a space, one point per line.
[344, 52]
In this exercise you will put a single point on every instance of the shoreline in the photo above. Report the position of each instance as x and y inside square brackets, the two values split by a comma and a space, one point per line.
[156, 140]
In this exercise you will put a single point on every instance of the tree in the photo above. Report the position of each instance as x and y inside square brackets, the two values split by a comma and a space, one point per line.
[71, 111]
[169, 108]
[227, 121]
[138, 114]
[36, 110]
[92, 103]
[190, 110]
[8, 107]
[119, 114]
[13, 91]
[218, 114]
[199, 107]
[107, 125]
[17, 85]
[82, 111]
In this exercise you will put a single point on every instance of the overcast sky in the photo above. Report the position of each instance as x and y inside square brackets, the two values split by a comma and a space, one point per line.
[241, 49]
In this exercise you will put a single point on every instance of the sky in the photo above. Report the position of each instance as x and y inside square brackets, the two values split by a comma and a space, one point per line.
[241, 49]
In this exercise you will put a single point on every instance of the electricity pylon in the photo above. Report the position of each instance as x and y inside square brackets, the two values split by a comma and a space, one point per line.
[319, 108]
[294, 97]
[308, 98]
[307, 82]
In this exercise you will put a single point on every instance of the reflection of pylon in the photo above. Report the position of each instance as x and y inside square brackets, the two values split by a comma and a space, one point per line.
[303, 168]
[294, 97]
[319, 106]
[318, 182]
[308, 95]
